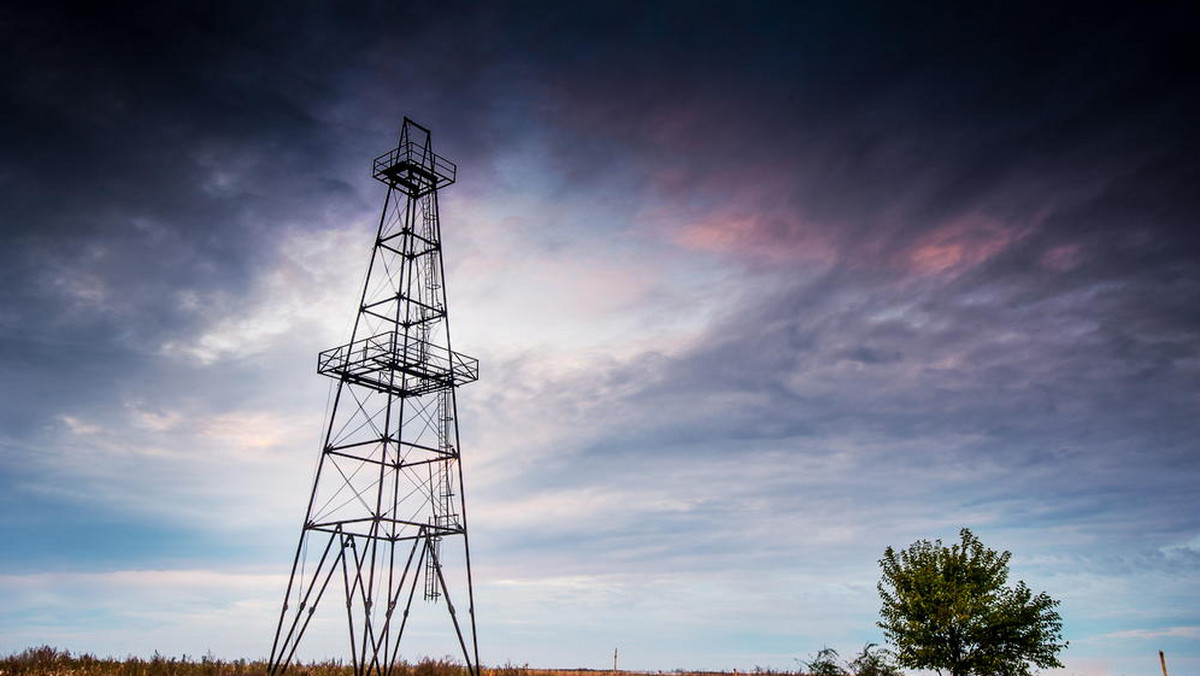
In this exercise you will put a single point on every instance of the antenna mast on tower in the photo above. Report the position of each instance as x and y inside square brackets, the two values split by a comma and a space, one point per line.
[386, 515]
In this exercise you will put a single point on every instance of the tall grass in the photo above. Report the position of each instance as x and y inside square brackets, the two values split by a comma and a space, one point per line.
[48, 661]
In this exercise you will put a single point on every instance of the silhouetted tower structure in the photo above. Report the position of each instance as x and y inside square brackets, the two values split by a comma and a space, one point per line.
[386, 516]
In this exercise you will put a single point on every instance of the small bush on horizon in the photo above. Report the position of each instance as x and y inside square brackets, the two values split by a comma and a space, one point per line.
[825, 663]
[871, 661]
[874, 661]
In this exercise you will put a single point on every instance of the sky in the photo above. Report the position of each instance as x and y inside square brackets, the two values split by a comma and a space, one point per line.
[757, 291]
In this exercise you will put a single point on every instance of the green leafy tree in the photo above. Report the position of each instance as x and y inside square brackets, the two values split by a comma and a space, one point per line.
[949, 609]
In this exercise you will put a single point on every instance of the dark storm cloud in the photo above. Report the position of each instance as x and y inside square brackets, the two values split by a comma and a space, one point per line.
[868, 128]
[153, 157]
[152, 147]
[152, 152]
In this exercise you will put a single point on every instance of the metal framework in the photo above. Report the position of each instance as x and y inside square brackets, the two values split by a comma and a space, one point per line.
[387, 509]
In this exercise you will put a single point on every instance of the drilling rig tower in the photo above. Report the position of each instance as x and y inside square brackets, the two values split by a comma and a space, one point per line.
[386, 518]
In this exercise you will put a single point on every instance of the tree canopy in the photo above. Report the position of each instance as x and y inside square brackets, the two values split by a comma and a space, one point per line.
[950, 609]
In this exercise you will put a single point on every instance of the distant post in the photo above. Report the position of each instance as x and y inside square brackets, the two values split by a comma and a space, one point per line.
[1162, 659]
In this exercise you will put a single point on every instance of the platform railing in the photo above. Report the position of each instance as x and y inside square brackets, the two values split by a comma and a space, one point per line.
[392, 361]
[412, 163]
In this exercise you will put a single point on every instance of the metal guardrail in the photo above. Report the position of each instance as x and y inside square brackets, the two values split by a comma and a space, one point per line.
[391, 361]
[413, 164]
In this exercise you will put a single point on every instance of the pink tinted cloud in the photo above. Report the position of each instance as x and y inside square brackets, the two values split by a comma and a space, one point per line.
[708, 191]
[766, 237]
[780, 236]
[1063, 258]
[743, 210]
[960, 244]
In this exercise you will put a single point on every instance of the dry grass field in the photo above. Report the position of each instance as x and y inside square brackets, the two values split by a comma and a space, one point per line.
[47, 661]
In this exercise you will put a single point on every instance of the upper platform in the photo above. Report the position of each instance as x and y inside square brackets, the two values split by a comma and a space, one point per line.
[413, 166]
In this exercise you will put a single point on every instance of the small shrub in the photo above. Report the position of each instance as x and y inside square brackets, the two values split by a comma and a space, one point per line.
[874, 661]
[825, 664]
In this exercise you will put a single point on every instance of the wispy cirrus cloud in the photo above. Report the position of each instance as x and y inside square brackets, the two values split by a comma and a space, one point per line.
[1169, 632]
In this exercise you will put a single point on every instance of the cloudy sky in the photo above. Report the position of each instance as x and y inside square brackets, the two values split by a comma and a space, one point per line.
[758, 290]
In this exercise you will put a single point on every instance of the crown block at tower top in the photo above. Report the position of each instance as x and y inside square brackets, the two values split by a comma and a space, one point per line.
[414, 167]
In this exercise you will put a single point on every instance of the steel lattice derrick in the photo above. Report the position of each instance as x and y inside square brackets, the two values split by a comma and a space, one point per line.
[386, 513]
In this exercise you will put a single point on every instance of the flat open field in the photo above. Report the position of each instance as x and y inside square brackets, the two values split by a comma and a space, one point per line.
[46, 660]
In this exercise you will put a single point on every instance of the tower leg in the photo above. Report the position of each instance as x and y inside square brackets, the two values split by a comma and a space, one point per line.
[472, 666]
